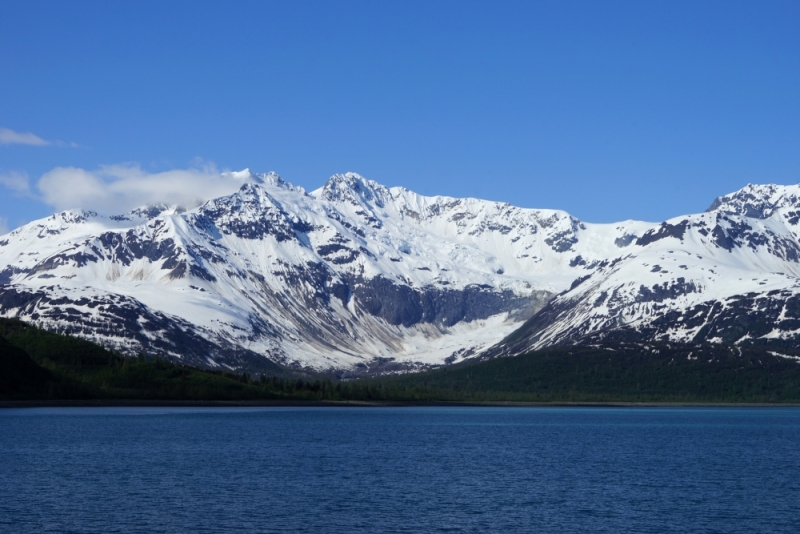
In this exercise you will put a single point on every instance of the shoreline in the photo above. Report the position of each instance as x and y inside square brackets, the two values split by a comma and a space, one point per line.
[137, 403]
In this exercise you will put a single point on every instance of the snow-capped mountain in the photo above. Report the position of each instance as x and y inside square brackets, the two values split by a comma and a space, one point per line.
[351, 276]
[727, 275]
[361, 278]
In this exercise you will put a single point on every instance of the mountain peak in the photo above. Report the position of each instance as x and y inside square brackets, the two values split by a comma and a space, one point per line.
[757, 201]
[73, 216]
[150, 211]
[353, 188]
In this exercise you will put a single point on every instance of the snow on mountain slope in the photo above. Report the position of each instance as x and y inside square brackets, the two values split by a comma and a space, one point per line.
[354, 276]
[758, 201]
[728, 275]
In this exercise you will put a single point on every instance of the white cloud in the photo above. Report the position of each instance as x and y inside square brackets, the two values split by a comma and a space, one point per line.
[16, 181]
[114, 189]
[3, 226]
[10, 137]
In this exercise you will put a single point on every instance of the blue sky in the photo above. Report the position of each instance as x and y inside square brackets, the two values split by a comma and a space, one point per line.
[609, 110]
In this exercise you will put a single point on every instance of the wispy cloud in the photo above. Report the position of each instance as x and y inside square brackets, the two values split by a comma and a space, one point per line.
[3, 226]
[10, 137]
[113, 189]
[16, 181]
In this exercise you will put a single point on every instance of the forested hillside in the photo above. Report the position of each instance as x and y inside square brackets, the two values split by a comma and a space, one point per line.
[38, 365]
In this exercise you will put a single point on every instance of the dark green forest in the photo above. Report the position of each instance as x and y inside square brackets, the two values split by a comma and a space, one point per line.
[39, 365]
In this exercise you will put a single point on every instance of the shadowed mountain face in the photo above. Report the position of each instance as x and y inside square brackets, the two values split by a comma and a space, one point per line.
[360, 278]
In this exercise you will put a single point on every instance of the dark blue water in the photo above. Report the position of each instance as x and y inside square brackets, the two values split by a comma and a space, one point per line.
[400, 470]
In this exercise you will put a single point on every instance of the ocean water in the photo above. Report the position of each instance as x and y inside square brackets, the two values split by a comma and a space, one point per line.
[417, 469]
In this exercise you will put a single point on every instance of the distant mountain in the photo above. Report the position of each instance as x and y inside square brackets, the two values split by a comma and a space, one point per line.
[363, 279]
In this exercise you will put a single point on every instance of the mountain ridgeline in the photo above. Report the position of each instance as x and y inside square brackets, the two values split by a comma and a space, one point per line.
[356, 279]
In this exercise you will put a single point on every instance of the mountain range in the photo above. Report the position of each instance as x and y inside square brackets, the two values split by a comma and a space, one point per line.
[359, 279]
